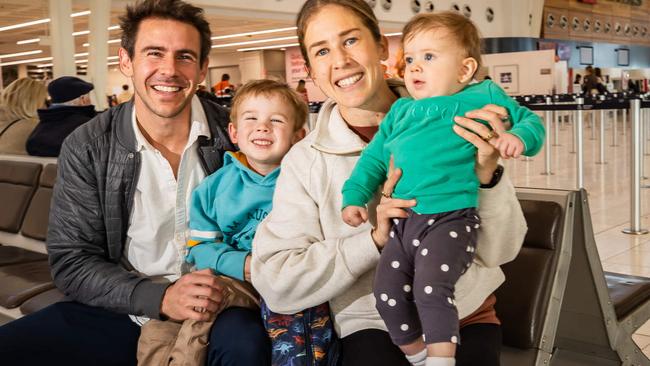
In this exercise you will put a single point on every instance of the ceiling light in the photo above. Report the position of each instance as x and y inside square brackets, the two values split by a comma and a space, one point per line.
[112, 63]
[255, 33]
[21, 25]
[44, 65]
[254, 42]
[80, 33]
[81, 54]
[81, 13]
[393, 34]
[116, 40]
[26, 61]
[268, 47]
[8, 55]
[40, 21]
[33, 40]
[86, 60]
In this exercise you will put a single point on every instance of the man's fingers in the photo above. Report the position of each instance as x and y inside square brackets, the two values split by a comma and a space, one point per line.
[204, 277]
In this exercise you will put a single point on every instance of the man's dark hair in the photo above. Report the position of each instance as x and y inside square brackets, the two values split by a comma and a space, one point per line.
[164, 9]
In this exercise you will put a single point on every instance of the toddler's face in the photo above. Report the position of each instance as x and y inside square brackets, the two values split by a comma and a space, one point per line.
[264, 131]
[434, 64]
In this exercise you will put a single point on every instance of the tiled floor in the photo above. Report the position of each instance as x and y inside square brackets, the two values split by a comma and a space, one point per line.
[608, 186]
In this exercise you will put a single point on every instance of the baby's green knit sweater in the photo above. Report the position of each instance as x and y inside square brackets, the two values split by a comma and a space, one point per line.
[437, 164]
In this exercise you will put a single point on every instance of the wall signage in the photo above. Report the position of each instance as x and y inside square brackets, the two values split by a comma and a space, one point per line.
[628, 2]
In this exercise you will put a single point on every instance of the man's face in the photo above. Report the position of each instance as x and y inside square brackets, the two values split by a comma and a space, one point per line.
[165, 68]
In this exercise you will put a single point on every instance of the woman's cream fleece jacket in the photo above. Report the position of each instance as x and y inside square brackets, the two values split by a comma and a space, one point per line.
[304, 254]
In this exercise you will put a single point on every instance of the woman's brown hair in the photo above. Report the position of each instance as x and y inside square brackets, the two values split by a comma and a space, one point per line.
[311, 7]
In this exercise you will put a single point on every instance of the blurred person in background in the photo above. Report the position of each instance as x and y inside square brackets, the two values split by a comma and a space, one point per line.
[302, 91]
[125, 95]
[18, 105]
[224, 88]
[71, 107]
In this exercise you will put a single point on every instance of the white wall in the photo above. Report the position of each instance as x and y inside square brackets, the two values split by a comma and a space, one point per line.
[115, 80]
[295, 70]
[532, 71]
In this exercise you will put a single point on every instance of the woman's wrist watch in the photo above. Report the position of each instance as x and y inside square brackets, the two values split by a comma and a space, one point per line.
[496, 178]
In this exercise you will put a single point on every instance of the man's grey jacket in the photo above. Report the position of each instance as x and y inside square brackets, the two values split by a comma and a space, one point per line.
[98, 170]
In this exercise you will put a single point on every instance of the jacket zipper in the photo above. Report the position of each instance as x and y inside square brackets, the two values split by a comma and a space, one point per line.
[309, 352]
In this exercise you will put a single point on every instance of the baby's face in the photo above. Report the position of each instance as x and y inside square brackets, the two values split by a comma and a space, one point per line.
[433, 64]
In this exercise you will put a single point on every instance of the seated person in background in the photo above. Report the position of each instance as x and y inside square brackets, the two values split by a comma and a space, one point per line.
[202, 92]
[70, 109]
[224, 88]
[429, 251]
[125, 95]
[18, 104]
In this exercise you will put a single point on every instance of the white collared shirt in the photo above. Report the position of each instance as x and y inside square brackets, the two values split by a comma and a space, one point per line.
[158, 224]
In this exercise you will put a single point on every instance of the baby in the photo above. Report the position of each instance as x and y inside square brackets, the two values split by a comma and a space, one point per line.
[429, 251]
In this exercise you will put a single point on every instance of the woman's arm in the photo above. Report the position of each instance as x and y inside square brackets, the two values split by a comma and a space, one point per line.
[294, 266]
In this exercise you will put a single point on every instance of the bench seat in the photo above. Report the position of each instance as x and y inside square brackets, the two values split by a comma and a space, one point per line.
[42, 300]
[627, 292]
[14, 255]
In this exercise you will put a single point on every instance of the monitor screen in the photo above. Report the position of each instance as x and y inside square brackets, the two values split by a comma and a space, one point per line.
[623, 57]
[586, 55]
[564, 51]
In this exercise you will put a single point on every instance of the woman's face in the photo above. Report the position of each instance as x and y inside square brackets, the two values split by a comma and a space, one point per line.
[344, 58]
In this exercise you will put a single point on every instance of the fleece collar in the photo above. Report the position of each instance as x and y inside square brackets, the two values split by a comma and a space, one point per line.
[239, 161]
[332, 134]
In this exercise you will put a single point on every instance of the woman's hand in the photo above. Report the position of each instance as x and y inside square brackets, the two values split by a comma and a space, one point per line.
[482, 136]
[389, 207]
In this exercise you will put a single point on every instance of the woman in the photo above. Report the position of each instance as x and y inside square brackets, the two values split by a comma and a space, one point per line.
[18, 105]
[304, 254]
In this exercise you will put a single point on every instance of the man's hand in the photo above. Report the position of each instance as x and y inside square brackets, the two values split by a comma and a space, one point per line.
[247, 269]
[194, 296]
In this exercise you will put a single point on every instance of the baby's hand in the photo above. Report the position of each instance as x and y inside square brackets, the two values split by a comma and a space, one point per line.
[509, 145]
[354, 215]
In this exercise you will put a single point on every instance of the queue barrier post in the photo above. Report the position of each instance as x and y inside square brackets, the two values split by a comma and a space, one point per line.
[601, 139]
[635, 172]
[548, 118]
[579, 143]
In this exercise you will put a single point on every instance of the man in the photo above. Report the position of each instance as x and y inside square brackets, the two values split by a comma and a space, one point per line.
[70, 108]
[118, 221]
[125, 95]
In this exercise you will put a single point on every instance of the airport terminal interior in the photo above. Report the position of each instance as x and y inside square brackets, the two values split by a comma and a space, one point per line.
[595, 161]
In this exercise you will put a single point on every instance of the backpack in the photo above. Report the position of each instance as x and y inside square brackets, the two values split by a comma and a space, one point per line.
[306, 338]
